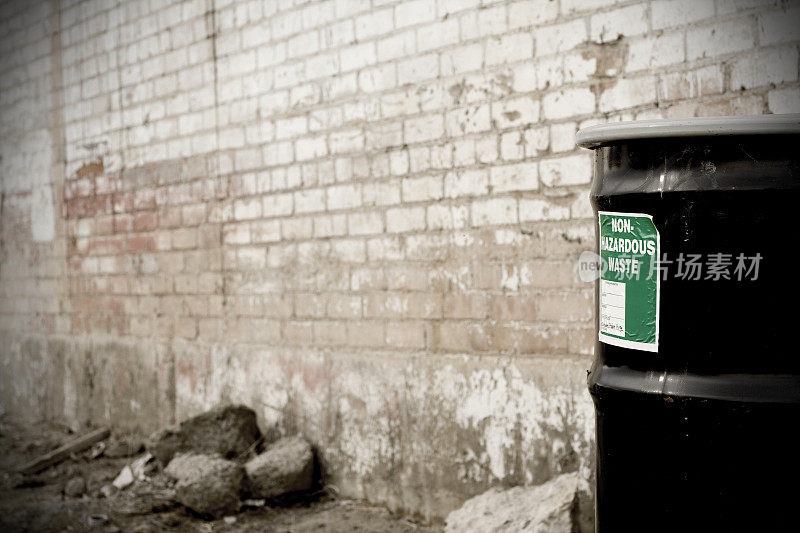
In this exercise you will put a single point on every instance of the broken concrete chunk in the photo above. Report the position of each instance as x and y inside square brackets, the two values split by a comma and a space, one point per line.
[143, 466]
[124, 479]
[228, 431]
[546, 508]
[207, 484]
[288, 466]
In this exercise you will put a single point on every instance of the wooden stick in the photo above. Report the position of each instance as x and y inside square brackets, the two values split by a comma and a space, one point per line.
[62, 452]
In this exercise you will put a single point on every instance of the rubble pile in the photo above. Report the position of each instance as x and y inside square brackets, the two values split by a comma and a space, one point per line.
[214, 463]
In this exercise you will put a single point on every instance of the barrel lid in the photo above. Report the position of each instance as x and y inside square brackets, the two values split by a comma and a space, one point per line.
[601, 134]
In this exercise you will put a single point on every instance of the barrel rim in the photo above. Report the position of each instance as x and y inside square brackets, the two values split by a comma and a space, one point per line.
[603, 134]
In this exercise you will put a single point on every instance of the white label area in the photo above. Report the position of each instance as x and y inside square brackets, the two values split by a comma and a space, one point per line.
[612, 307]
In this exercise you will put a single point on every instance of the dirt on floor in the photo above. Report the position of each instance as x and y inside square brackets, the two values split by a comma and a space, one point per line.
[38, 502]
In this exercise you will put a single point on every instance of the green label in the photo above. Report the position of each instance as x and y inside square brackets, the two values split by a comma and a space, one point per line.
[630, 280]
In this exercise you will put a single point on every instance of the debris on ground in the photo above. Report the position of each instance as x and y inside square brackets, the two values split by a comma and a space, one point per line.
[107, 491]
[103, 487]
[62, 452]
[286, 467]
[125, 478]
[143, 466]
[546, 508]
[207, 484]
[229, 431]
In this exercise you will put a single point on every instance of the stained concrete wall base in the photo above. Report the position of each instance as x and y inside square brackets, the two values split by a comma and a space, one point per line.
[418, 433]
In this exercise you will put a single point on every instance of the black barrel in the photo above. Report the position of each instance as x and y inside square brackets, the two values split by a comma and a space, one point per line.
[696, 376]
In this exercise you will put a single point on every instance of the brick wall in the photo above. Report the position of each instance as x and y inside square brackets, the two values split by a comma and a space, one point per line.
[358, 217]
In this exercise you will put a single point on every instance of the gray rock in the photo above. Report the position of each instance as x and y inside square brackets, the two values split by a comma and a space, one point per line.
[228, 431]
[75, 487]
[207, 484]
[287, 466]
[546, 508]
[124, 479]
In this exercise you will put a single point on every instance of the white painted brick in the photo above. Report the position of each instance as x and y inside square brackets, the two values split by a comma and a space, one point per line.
[254, 35]
[562, 137]
[398, 162]
[719, 39]
[276, 205]
[486, 149]
[567, 170]
[418, 68]
[357, 56]
[560, 37]
[655, 51]
[573, 6]
[779, 26]
[399, 45]
[536, 141]
[494, 211]
[309, 201]
[330, 226]
[422, 189]
[375, 23]
[310, 147]
[265, 231]
[516, 112]
[381, 193]
[303, 44]
[473, 182]
[534, 209]
[412, 12]
[322, 65]
[472, 119]
[448, 217]
[765, 67]
[512, 146]
[520, 177]
[339, 33]
[291, 127]
[549, 72]
[672, 13]
[463, 152]
[624, 22]
[404, 219]
[526, 13]
[367, 223]
[344, 196]
[492, 20]
[784, 100]
[568, 103]
[247, 209]
[349, 250]
[628, 92]
[377, 78]
[421, 129]
[524, 77]
[509, 48]
[692, 84]
[448, 7]
[437, 35]
[351, 140]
